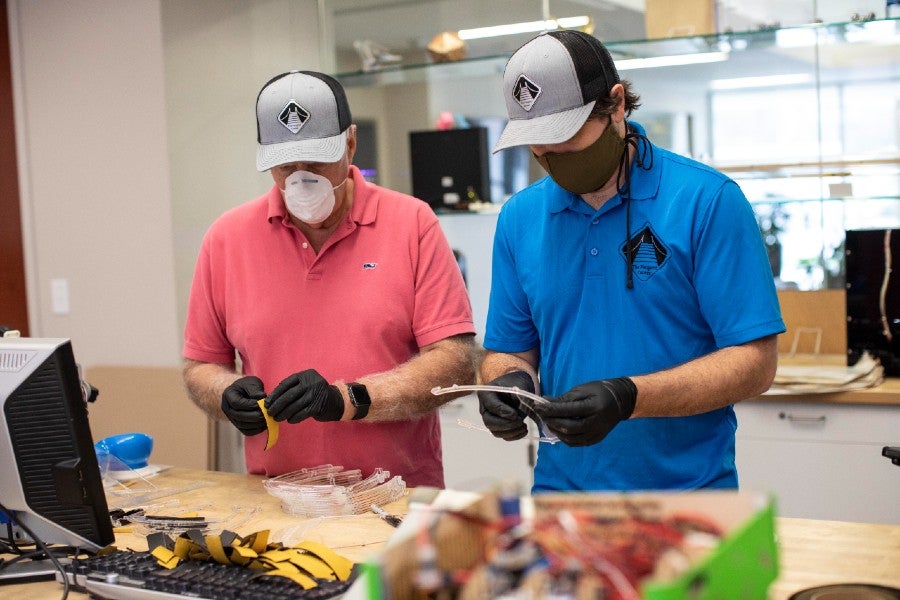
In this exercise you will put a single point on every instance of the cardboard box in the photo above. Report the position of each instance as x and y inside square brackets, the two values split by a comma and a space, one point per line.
[741, 563]
[665, 19]
[152, 400]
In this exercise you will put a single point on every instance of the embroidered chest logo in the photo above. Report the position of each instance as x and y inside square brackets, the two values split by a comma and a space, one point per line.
[293, 116]
[369, 266]
[526, 92]
[646, 252]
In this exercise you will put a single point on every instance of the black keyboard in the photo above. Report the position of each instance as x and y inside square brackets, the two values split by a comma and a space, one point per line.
[126, 575]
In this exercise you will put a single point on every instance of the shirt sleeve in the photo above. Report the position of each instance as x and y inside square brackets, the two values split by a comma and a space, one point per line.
[205, 339]
[733, 278]
[510, 327]
[442, 307]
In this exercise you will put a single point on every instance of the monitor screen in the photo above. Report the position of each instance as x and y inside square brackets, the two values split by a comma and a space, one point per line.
[51, 481]
[873, 297]
[450, 167]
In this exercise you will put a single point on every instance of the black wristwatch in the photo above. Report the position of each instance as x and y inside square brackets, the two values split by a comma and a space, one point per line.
[359, 396]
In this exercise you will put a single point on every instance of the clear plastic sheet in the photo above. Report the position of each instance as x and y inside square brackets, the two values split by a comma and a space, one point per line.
[328, 490]
[524, 395]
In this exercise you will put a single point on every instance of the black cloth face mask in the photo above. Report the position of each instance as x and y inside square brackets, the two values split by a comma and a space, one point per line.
[586, 170]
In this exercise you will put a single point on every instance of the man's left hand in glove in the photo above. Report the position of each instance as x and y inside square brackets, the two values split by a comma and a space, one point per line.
[303, 395]
[587, 413]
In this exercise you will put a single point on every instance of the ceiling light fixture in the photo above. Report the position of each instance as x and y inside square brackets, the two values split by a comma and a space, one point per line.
[528, 27]
[763, 81]
[670, 61]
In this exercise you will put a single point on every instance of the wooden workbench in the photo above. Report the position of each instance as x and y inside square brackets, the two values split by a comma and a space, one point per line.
[887, 394]
[812, 552]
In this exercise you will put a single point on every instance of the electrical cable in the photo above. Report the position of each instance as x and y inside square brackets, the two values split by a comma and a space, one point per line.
[882, 296]
[43, 546]
[12, 547]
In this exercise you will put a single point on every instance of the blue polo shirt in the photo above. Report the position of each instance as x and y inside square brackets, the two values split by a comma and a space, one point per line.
[701, 282]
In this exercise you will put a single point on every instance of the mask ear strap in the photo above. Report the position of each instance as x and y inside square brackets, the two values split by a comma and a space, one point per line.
[642, 150]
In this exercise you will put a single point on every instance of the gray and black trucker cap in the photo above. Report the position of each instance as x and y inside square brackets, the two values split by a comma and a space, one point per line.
[550, 86]
[301, 116]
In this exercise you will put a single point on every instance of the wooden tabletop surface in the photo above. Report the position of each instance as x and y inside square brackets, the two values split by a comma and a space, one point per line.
[811, 552]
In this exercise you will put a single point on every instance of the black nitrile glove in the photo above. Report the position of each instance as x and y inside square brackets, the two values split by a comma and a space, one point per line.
[501, 411]
[303, 395]
[240, 405]
[587, 413]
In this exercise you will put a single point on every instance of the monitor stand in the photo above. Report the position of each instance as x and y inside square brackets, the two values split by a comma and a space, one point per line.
[26, 571]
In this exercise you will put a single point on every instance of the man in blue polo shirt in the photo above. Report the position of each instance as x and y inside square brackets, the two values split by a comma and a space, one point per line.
[634, 282]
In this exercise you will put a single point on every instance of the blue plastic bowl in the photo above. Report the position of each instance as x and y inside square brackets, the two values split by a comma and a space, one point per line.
[133, 449]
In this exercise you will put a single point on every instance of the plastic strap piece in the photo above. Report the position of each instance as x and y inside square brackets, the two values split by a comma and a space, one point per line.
[271, 425]
[437, 391]
[545, 435]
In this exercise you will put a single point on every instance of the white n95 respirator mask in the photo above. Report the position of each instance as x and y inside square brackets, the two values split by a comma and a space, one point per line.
[309, 197]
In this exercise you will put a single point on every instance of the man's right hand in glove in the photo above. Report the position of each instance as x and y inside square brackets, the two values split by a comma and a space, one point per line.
[239, 403]
[501, 411]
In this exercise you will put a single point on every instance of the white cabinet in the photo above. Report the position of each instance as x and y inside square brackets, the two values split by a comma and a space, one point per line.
[821, 461]
[472, 236]
[476, 460]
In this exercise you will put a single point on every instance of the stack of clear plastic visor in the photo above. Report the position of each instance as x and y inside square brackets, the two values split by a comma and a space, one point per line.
[329, 490]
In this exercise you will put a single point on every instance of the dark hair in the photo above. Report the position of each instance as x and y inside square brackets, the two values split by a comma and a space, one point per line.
[607, 105]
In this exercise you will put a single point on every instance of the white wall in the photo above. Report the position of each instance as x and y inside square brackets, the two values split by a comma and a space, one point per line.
[218, 54]
[90, 128]
[135, 129]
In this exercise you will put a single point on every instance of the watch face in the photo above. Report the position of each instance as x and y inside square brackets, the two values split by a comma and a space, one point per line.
[359, 396]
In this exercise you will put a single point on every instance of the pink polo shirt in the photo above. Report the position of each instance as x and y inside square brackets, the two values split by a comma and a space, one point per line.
[384, 285]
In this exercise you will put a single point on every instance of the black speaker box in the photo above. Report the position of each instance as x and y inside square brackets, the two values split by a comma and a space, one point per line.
[450, 167]
[873, 296]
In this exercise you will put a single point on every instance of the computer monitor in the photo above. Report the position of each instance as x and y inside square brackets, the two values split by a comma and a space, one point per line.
[450, 167]
[52, 485]
[873, 297]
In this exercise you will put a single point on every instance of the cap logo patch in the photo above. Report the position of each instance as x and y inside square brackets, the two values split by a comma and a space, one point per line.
[526, 92]
[293, 116]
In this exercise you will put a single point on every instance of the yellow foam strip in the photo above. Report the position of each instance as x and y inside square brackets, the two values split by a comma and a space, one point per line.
[313, 565]
[241, 555]
[216, 550]
[183, 547]
[340, 565]
[259, 565]
[198, 553]
[277, 556]
[294, 575]
[271, 425]
[258, 541]
[165, 557]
